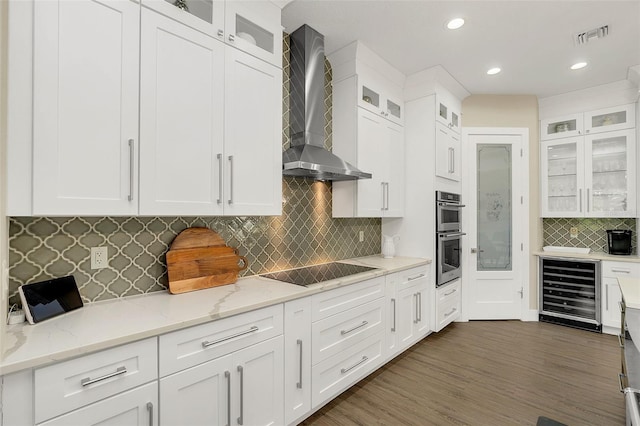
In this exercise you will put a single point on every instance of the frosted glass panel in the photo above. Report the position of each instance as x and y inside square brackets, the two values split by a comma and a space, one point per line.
[494, 207]
[562, 178]
[609, 174]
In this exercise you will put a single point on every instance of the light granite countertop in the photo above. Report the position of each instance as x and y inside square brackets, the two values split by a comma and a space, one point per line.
[589, 256]
[630, 288]
[102, 325]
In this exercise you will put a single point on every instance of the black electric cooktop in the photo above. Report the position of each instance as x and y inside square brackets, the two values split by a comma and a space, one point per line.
[317, 273]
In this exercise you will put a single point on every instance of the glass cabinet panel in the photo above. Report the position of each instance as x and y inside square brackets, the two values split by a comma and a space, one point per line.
[370, 96]
[394, 109]
[199, 8]
[562, 178]
[561, 127]
[610, 119]
[254, 34]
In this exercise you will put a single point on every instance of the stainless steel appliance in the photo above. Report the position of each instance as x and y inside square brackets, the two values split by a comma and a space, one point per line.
[619, 241]
[630, 375]
[448, 237]
[448, 212]
[317, 273]
[570, 292]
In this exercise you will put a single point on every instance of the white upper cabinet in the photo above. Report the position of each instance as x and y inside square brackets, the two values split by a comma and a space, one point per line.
[448, 155]
[85, 107]
[251, 26]
[381, 100]
[181, 119]
[602, 120]
[592, 176]
[448, 111]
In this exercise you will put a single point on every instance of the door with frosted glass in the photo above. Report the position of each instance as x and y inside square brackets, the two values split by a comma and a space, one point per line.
[495, 227]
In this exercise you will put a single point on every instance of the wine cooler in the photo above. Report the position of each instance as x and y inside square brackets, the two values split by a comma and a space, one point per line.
[570, 292]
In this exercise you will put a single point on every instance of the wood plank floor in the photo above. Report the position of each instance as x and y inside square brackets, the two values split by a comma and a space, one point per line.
[490, 373]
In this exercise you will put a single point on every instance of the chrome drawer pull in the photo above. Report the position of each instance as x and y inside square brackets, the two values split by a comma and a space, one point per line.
[345, 370]
[622, 271]
[343, 332]
[621, 340]
[89, 381]
[150, 410]
[419, 306]
[450, 312]
[240, 419]
[131, 168]
[415, 277]
[415, 297]
[219, 157]
[227, 374]
[451, 292]
[394, 315]
[206, 344]
[299, 384]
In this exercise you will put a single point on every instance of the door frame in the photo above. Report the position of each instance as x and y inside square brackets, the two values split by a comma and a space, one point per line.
[522, 173]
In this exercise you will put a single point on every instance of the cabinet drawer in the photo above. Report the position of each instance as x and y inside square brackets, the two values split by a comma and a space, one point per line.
[620, 269]
[335, 334]
[344, 298]
[192, 346]
[132, 408]
[412, 276]
[337, 373]
[68, 385]
[447, 313]
[449, 292]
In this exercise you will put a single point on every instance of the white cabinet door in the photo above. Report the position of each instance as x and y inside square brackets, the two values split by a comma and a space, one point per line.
[561, 127]
[448, 158]
[85, 99]
[204, 16]
[371, 143]
[611, 296]
[181, 119]
[394, 202]
[407, 317]
[562, 178]
[448, 111]
[423, 325]
[259, 374]
[297, 359]
[610, 174]
[199, 395]
[137, 407]
[610, 119]
[253, 126]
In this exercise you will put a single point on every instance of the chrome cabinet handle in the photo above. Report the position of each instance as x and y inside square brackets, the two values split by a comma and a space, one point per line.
[220, 33]
[415, 277]
[299, 384]
[352, 329]
[345, 370]
[240, 418]
[419, 306]
[387, 185]
[606, 294]
[382, 186]
[219, 157]
[450, 312]
[580, 200]
[588, 201]
[621, 340]
[150, 410]
[206, 343]
[415, 305]
[232, 38]
[230, 179]
[450, 169]
[394, 314]
[451, 292]
[620, 377]
[453, 160]
[621, 305]
[131, 168]
[89, 381]
[622, 271]
[227, 374]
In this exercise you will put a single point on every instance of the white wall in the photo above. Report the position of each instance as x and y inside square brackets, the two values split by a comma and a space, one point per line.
[514, 111]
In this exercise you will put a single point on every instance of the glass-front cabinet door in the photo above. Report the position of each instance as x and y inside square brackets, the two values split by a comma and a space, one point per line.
[254, 27]
[561, 127]
[610, 174]
[562, 168]
[610, 119]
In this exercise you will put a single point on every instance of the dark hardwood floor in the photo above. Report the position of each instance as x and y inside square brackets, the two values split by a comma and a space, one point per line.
[490, 373]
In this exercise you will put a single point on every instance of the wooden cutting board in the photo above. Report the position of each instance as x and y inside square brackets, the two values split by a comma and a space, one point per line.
[199, 259]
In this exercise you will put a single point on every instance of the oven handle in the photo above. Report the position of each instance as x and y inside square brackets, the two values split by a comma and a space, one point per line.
[445, 204]
[453, 234]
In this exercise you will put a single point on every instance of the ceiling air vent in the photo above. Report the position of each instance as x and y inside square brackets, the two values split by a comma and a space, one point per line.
[587, 36]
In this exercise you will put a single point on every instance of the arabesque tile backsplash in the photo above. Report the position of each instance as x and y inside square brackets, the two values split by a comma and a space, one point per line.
[305, 234]
[591, 232]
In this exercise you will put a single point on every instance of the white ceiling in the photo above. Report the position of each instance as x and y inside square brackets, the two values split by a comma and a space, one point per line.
[532, 41]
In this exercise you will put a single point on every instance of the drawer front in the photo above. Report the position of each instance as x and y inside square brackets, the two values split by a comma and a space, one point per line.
[414, 276]
[333, 335]
[195, 345]
[621, 269]
[447, 313]
[344, 298]
[69, 385]
[449, 292]
[337, 373]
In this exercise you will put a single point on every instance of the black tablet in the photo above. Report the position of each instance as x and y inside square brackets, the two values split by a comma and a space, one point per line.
[46, 299]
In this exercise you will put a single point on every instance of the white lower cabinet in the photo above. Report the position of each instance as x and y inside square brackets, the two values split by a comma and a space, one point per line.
[297, 359]
[448, 304]
[243, 388]
[611, 295]
[137, 407]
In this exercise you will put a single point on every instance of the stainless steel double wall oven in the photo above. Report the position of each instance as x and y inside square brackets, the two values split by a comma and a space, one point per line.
[448, 237]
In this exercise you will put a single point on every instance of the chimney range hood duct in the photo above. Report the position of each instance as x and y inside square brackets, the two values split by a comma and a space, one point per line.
[307, 156]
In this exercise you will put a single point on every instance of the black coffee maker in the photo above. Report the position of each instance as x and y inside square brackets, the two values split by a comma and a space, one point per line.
[619, 241]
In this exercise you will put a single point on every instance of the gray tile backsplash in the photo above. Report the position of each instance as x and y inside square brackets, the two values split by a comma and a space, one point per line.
[591, 232]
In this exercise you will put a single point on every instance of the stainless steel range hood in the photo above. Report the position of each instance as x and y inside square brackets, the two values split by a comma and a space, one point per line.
[307, 156]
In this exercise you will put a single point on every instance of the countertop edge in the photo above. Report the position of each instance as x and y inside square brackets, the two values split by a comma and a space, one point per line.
[291, 292]
[590, 256]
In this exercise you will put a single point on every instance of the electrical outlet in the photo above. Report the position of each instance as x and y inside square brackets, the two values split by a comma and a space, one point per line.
[361, 236]
[573, 232]
[99, 257]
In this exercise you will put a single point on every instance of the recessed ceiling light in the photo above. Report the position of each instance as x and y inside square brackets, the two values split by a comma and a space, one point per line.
[455, 23]
[578, 65]
[494, 71]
